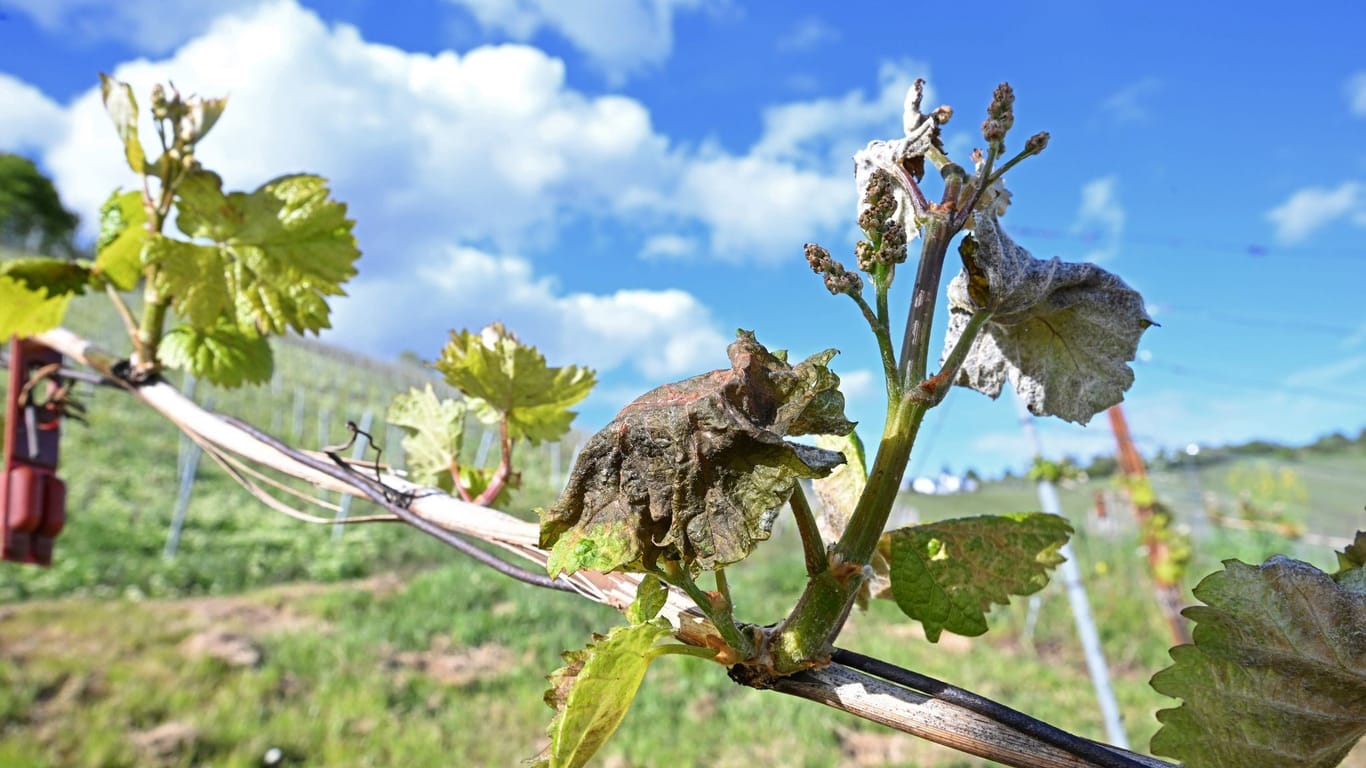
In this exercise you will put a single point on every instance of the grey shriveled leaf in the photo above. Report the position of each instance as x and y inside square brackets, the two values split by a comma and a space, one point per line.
[1063, 333]
[692, 471]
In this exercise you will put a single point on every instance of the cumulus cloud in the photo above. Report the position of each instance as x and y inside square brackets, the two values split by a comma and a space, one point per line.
[31, 119]
[1312, 208]
[658, 334]
[151, 26]
[1101, 214]
[621, 37]
[1355, 90]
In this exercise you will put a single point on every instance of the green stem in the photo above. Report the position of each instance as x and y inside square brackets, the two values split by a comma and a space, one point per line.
[812, 546]
[915, 344]
[878, 324]
[933, 390]
[807, 634]
[677, 575]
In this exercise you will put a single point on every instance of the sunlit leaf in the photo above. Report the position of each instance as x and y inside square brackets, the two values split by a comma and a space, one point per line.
[1277, 672]
[26, 312]
[192, 276]
[225, 355]
[510, 379]
[650, 598]
[49, 276]
[1062, 333]
[122, 107]
[694, 471]
[434, 430]
[286, 247]
[200, 116]
[123, 233]
[839, 491]
[593, 691]
[948, 574]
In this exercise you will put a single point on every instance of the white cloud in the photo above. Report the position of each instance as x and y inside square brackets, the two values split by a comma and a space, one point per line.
[659, 334]
[1131, 103]
[808, 33]
[1355, 89]
[832, 129]
[859, 384]
[669, 247]
[1345, 372]
[621, 37]
[1311, 208]
[30, 118]
[1101, 210]
[153, 26]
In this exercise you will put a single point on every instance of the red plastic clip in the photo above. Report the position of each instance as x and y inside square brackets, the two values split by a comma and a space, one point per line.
[32, 497]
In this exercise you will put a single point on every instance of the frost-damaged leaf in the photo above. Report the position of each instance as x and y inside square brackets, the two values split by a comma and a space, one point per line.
[1277, 672]
[226, 355]
[435, 429]
[512, 379]
[25, 312]
[948, 574]
[594, 689]
[286, 247]
[192, 276]
[1063, 333]
[692, 471]
[51, 277]
[123, 110]
[123, 232]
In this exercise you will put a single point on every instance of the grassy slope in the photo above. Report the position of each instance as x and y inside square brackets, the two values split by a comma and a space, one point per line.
[81, 678]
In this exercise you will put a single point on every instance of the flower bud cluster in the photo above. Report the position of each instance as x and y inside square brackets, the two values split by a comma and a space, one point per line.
[838, 279]
[1000, 114]
[879, 220]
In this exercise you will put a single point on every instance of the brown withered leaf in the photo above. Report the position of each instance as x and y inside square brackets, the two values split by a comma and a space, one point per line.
[693, 471]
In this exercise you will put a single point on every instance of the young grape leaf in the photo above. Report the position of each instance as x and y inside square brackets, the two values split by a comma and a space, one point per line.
[839, 491]
[285, 247]
[509, 379]
[25, 312]
[123, 232]
[692, 471]
[225, 355]
[1353, 556]
[192, 276]
[651, 596]
[435, 429]
[593, 691]
[122, 107]
[1277, 672]
[1063, 333]
[947, 574]
[51, 277]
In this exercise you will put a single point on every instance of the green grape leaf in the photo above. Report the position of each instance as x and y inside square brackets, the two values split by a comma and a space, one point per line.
[51, 277]
[1277, 671]
[1353, 556]
[947, 574]
[695, 471]
[286, 247]
[122, 107]
[123, 233]
[650, 598]
[593, 691]
[434, 431]
[192, 276]
[26, 312]
[509, 379]
[225, 355]
[1062, 333]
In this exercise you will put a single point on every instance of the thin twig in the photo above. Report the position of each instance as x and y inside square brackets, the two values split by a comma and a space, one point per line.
[381, 496]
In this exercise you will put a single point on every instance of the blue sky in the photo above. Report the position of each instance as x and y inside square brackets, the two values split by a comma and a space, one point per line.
[625, 182]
